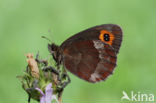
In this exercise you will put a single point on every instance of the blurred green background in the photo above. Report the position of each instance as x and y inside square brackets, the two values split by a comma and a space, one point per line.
[23, 22]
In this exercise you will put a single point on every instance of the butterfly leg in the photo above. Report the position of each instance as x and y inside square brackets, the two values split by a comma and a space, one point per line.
[65, 76]
[45, 62]
[51, 69]
[65, 80]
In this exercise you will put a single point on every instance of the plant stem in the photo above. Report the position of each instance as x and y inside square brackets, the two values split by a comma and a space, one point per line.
[60, 96]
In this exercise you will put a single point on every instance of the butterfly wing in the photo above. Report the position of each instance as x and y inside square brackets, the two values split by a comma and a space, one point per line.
[98, 33]
[89, 55]
[92, 61]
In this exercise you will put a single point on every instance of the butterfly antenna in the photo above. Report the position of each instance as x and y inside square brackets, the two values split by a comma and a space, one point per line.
[46, 38]
[50, 40]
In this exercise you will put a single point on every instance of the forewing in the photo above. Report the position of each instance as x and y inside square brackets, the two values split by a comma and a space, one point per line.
[98, 33]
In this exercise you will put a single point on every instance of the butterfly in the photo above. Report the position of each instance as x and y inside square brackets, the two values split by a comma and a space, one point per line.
[90, 54]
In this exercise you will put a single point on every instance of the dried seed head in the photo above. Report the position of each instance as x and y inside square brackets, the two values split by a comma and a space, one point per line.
[32, 65]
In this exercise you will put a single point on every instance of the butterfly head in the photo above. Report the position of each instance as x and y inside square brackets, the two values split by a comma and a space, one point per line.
[55, 52]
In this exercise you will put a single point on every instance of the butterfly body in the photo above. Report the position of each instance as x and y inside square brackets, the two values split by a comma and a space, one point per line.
[91, 54]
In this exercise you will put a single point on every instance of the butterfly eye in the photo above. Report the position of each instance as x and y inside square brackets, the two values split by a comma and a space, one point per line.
[106, 37]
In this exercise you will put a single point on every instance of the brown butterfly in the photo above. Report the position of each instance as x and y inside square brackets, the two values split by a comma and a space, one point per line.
[91, 54]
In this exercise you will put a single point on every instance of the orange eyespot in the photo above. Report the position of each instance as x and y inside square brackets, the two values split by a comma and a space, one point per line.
[106, 37]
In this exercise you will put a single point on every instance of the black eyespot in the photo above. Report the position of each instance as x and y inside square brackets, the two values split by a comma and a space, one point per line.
[106, 37]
